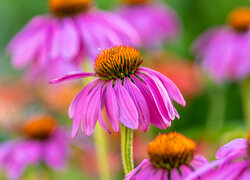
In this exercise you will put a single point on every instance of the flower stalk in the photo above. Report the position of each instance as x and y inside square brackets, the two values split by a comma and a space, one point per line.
[127, 149]
[245, 93]
[217, 108]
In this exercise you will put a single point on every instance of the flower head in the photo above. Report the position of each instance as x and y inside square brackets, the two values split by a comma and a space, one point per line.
[39, 127]
[171, 156]
[232, 163]
[67, 8]
[239, 18]
[42, 142]
[52, 45]
[156, 23]
[131, 94]
[224, 50]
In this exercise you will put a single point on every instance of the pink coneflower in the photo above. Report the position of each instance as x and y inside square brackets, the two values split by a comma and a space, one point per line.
[232, 163]
[58, 43]
[171, 157]
[155, 22]
[43, 142]
[224, 50]
[131, 94]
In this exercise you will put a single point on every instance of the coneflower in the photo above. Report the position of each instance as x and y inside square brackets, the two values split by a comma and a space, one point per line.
[171, 157]
[54, 44]
[132, 95]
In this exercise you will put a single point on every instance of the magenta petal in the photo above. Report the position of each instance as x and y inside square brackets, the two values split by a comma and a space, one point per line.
[90, 109]
[140, 103]
[72, 75]
[70, 42]
[160, 96]
[76, 107]
[169, 85]
[112, 106]
[100, 118]
[128, 111]
[239, 144]
[155, 117]
[203, 170]
[24, 52]
[134, 172]
[55, 154]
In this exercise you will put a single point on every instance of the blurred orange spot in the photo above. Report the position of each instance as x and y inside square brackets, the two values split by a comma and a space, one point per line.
[134, 2]
[39, 127]
[68, 7]
[239, 18]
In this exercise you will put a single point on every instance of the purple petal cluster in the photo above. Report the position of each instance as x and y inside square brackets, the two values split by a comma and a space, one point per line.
[55, 46]
[136, 101]
[155, 22]
[224, 53]
[16, 155]
[232, 163]
[146, 170]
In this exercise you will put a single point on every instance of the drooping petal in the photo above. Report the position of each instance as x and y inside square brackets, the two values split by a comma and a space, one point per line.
[128, 111]
[112, 108]
[132, 173]
[55, 154]
[100, 118]
[76, 107]
[169, 85]
[140, 103]
[90, 108]
[160, 96]
[155, 117]
[72, 75]
[239, 144]
[70, 42]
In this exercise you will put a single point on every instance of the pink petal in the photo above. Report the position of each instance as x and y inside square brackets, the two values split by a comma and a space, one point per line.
[128, 111]
[112, 106]
[90, 109]
[70, 42]
[72, 75]
[155, 117]
[140, 103]
[169, 85]
[76, 107]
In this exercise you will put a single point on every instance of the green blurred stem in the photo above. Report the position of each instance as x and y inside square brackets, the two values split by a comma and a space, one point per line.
[101, 152]
[216, 115]
[127, 149]
[245, 93]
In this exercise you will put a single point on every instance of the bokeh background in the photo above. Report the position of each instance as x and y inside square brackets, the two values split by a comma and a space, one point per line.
[213, 114]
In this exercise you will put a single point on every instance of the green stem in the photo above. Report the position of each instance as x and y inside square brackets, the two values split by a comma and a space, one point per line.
[217, 108]
[127, 149]
[245, 93]
[101, 152]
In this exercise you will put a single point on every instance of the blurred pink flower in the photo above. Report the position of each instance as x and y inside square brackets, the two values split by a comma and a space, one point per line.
[224, 50]
[43, 142]
[56, 44]
[155, 22]
[131, 94]
[172, 157]
[232, 163]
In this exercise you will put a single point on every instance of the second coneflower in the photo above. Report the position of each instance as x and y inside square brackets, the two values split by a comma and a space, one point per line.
[132, 95]
[171, 157]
